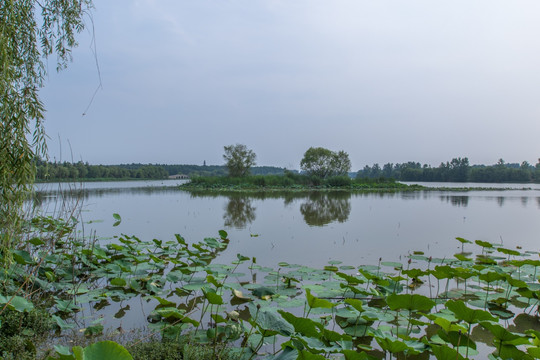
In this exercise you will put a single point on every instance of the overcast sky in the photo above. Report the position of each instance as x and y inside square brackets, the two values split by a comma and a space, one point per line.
[386, 81]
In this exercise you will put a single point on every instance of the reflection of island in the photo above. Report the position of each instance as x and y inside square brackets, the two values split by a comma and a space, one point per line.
[239, 212]
[323, 208]
[319, 208]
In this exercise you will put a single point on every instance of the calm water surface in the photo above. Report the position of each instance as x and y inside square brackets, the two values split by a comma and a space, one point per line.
[312, 228]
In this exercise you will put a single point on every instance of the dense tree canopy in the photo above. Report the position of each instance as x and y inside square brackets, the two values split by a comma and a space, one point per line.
[456, 170]
[238, 159]
[323, 163]
[30, 31]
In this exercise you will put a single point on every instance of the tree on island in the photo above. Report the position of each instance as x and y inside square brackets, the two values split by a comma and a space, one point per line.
[239, 159]
[323, 163]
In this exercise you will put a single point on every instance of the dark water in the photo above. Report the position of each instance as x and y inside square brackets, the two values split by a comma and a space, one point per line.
[310, 228]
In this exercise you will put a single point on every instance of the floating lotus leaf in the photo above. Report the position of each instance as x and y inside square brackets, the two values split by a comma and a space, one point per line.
[462, 312]
[102, 350]
[304, 326]
[410, 302]
[444, 352]
[17, 303]
[315, 302]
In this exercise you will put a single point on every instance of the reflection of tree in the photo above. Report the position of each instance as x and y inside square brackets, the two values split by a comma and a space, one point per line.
[79, 192]
[460, 200]
[456, 200]
[324, 208]
[524, 322]
[239, 212]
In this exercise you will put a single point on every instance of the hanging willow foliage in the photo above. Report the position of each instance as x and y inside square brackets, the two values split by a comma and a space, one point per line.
[30, 32]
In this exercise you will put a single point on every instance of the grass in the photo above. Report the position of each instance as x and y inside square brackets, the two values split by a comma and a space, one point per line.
[292, 181]
[170, 350]
[25, 335]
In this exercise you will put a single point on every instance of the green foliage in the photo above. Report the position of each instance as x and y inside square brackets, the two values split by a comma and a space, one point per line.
[344, 309]
[411, 302]
[102, 350]
[292, 181]
[339, 181]
[98, 351]
[238, 159]
[67, 171]
[177, 350]
[466, 314]
[323, 163]
[156, 350]
[456, 170]
[16, 303]
[21, 331]
[444, 352]
[30, 31]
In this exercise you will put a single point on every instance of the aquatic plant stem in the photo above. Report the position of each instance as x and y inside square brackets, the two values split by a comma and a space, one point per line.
[468, 339]
[250, 331]
[429, 277]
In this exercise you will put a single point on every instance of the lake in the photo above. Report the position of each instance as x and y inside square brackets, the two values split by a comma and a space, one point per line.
[310, 228]
[297, 227]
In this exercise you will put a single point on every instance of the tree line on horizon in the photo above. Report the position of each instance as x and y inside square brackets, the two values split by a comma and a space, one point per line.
[456, 170]
[62, 171]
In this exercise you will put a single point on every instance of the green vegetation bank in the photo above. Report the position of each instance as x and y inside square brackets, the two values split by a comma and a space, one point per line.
[293, 181]
[83, 171]
[456, 170]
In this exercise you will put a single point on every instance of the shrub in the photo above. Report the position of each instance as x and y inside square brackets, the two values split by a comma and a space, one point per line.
[171, 350]
[259, 180]
[336, 181]
[21, 332]
[315, 180]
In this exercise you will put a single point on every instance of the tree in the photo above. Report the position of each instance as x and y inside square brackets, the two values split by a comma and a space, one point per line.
[30, 31]
[322, 163]
[239, 159]
[341, 163]
[459, 170]
[388, 170]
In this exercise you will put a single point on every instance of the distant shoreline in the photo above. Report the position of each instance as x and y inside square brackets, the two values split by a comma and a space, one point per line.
[253, 188]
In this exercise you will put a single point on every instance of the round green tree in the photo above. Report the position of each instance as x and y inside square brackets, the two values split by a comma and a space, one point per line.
[323, 163]
[238, 159]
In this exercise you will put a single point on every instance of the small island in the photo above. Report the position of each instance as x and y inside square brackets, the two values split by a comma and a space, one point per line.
[322, 169]
[294, 182]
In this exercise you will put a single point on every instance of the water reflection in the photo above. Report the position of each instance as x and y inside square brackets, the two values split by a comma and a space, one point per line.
[324, 208]
[239, 212]
[80, 193]
[318, 209]
[460, 201]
